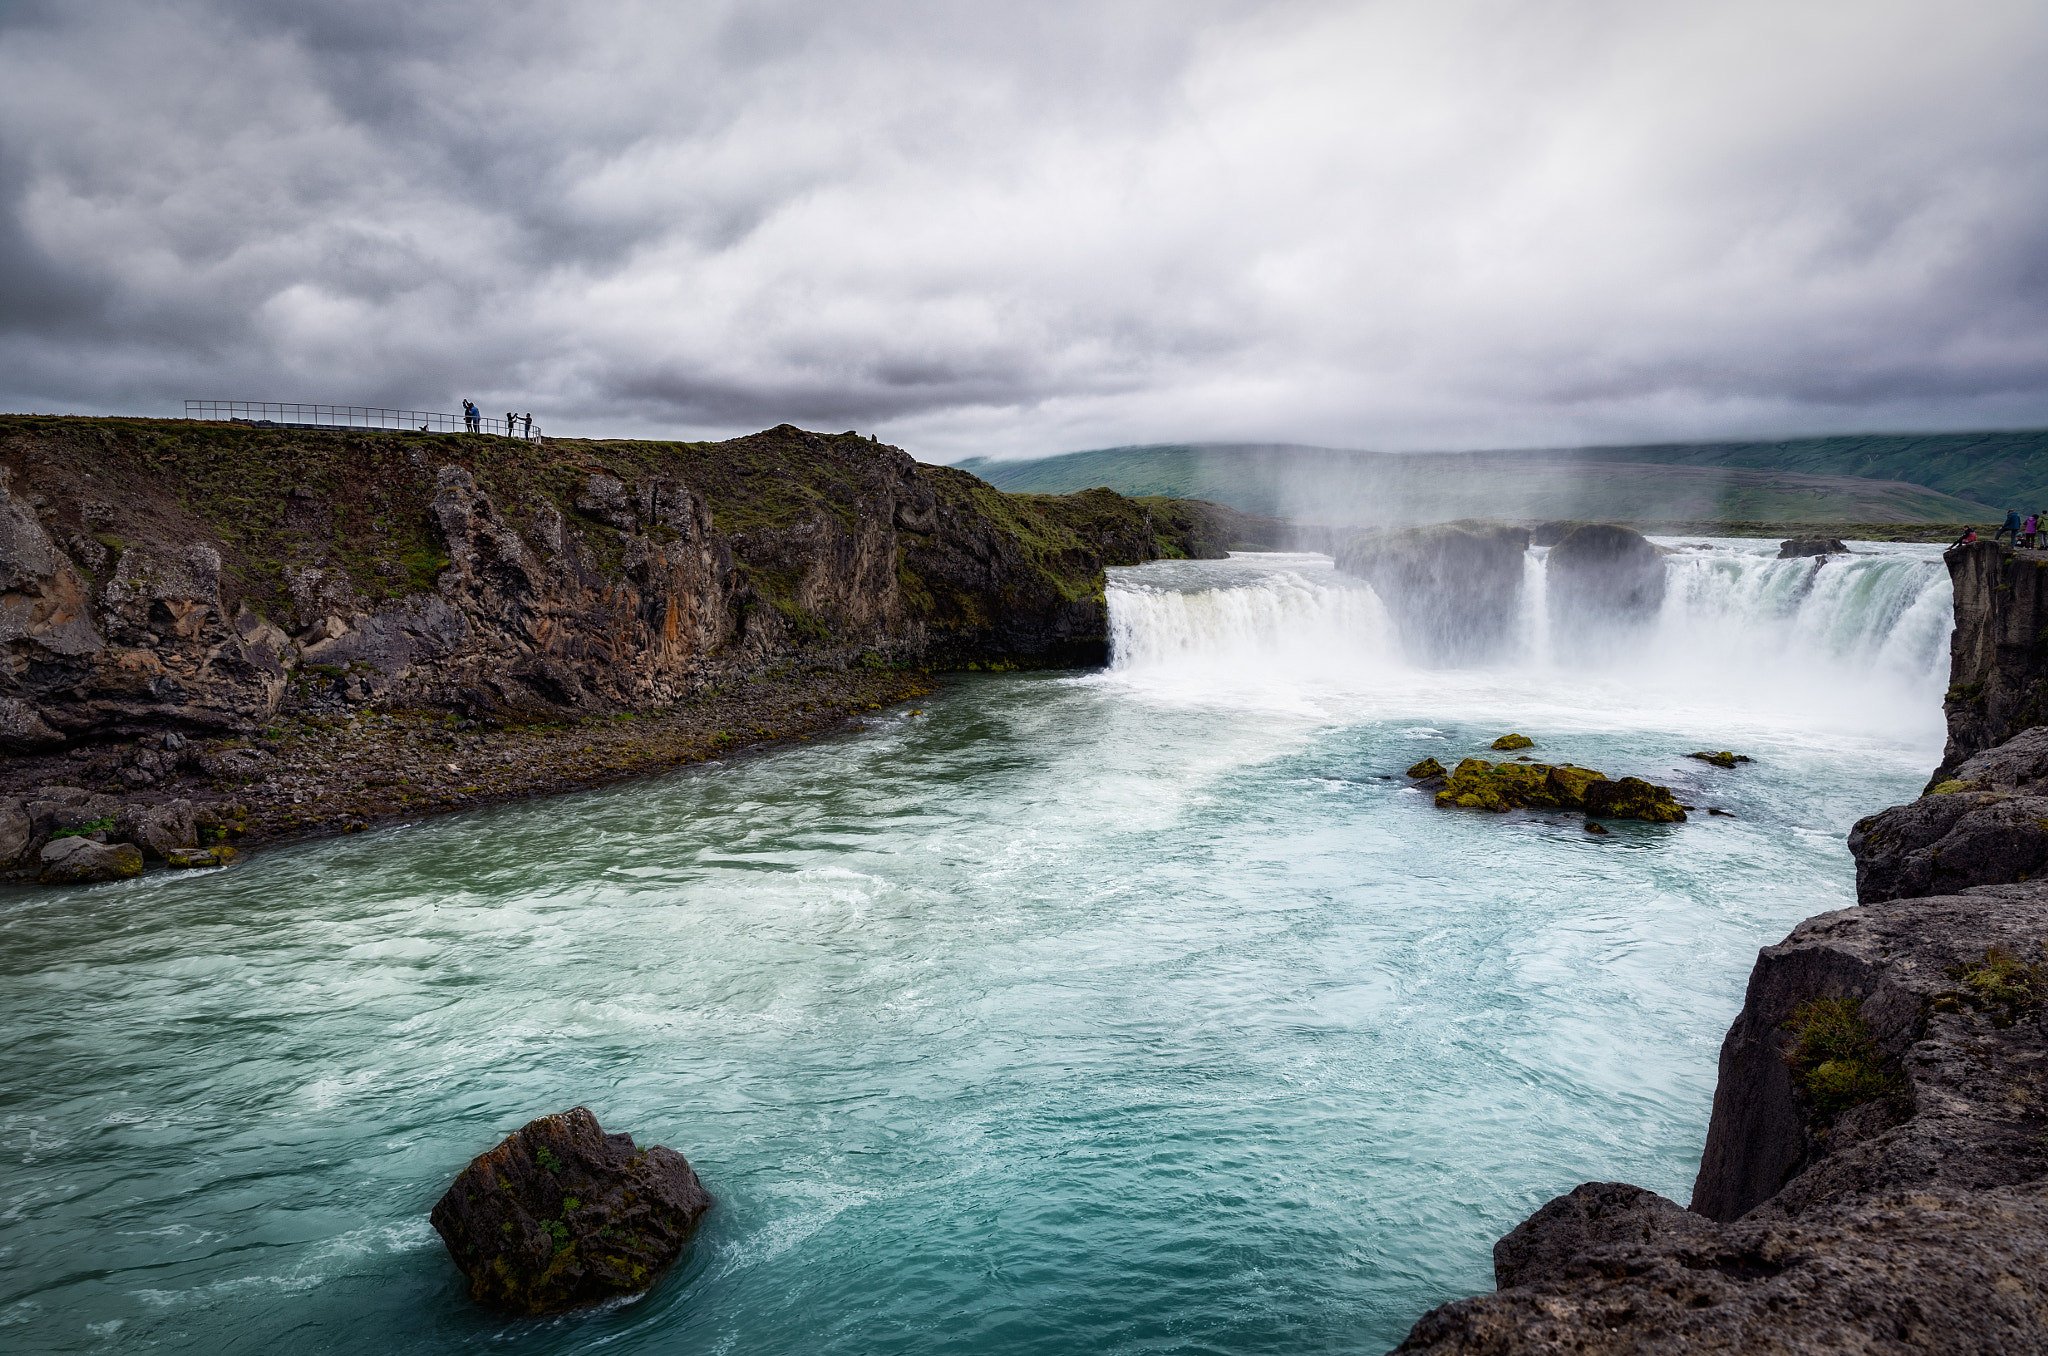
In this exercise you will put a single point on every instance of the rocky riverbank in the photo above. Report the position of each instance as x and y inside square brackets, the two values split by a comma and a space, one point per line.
[302, 631]
[1875, 1178]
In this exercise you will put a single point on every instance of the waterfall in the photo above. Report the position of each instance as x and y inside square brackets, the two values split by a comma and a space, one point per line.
[1839, 640]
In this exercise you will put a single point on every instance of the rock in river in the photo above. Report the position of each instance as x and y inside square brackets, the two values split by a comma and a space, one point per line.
[1476, 784]
[1797, 548]
[1604, 583]
[562, 1214]
[1454, 590]
[75, 861]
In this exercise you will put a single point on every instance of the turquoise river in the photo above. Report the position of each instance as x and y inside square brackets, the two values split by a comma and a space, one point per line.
[1141, 1010]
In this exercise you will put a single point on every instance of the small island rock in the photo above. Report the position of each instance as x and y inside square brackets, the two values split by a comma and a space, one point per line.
[1800, 547]
[1721, 759]
[1513, 741]
[1427, 768]
[561, 1214]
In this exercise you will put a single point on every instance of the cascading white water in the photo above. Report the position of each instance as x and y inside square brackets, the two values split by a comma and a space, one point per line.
[1838, 642]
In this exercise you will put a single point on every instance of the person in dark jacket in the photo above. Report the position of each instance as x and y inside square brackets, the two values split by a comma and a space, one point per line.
[2012, 527]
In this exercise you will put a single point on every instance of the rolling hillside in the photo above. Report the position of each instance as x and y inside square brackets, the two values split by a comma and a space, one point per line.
[1663, 484]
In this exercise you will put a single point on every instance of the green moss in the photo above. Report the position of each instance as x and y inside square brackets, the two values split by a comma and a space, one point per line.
[1509, 742]
[545, 1157]
[84, 830]
[2001, 984]
[1428, 767]
[1834, 1058]
[1950, 788]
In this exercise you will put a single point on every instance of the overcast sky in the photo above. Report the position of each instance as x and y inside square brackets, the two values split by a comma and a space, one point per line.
[1026, 228]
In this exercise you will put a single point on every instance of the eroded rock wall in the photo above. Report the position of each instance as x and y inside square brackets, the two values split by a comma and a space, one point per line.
[169, 576]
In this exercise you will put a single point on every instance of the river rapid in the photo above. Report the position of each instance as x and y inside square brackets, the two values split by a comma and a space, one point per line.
[1144, 1010]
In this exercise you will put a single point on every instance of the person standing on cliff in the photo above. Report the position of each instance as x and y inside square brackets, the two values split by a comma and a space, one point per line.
[526, 431]
[2012, 526]
[2031, 532]
[470, 416]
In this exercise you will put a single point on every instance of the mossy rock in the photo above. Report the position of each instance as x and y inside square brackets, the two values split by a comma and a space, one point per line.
[1428, 767]
[1722, 759]
[1513, 741]
[1633, 798]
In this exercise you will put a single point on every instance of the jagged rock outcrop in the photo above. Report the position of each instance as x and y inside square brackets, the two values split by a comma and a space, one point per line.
[165, 576]
[561, 1214]
[1914, 1218]
[1987, 824]
[1603, 584]
[1797, 548]
[1454, 590]
[1998, 666]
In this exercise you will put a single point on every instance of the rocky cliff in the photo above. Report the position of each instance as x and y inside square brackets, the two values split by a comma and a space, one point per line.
[1875, 1176]
[1998, 657]
[175, 576]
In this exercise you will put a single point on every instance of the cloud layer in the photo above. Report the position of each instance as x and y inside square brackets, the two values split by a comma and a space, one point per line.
[1022, 229]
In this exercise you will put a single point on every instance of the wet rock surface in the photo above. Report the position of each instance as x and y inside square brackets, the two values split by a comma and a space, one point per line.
[79, 861]
[1912, 1220]
[1453, 589]
[1798, 548]
[561, 1214]
[1998, 669]
[1476, 784]
[1603, 583]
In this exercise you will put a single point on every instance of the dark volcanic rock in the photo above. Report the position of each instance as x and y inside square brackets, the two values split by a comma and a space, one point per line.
[1913, 1221]
[562, 1214]
[1453, 589]
[1602, 583]
[1799, 547]
[1998, 669]
[1985, 825]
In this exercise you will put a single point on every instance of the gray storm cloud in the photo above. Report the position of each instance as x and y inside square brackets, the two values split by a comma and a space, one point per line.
[1019, 229]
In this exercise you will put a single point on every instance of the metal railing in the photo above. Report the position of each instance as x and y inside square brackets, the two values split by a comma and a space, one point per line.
[286, 414]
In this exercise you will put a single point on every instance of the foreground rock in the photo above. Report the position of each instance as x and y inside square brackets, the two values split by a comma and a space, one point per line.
[1476, 784]
[1798, 548]
[1603, 584]
[562, 1214]
[1453, 589]
[1987, 824]
[1874, 1172]
[80, 861]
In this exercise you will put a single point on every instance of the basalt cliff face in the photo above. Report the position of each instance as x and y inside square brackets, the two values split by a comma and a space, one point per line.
[1875, 1176]
[173, 576]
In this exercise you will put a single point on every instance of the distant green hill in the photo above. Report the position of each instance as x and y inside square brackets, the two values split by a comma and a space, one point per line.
[1861, 479]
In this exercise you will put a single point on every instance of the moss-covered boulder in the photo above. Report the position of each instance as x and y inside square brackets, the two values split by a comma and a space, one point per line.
[1513, 741]
[1476, 784]
[561, 1214]
[1427, 768]
[1633, 798]
[79, 860]
[1722, 759]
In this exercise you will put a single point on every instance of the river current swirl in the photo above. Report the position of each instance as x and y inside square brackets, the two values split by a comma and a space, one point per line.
[1144, 1010]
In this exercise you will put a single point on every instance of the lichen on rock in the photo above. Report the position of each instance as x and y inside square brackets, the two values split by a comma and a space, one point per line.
[1476, 784]
[561, 1214]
